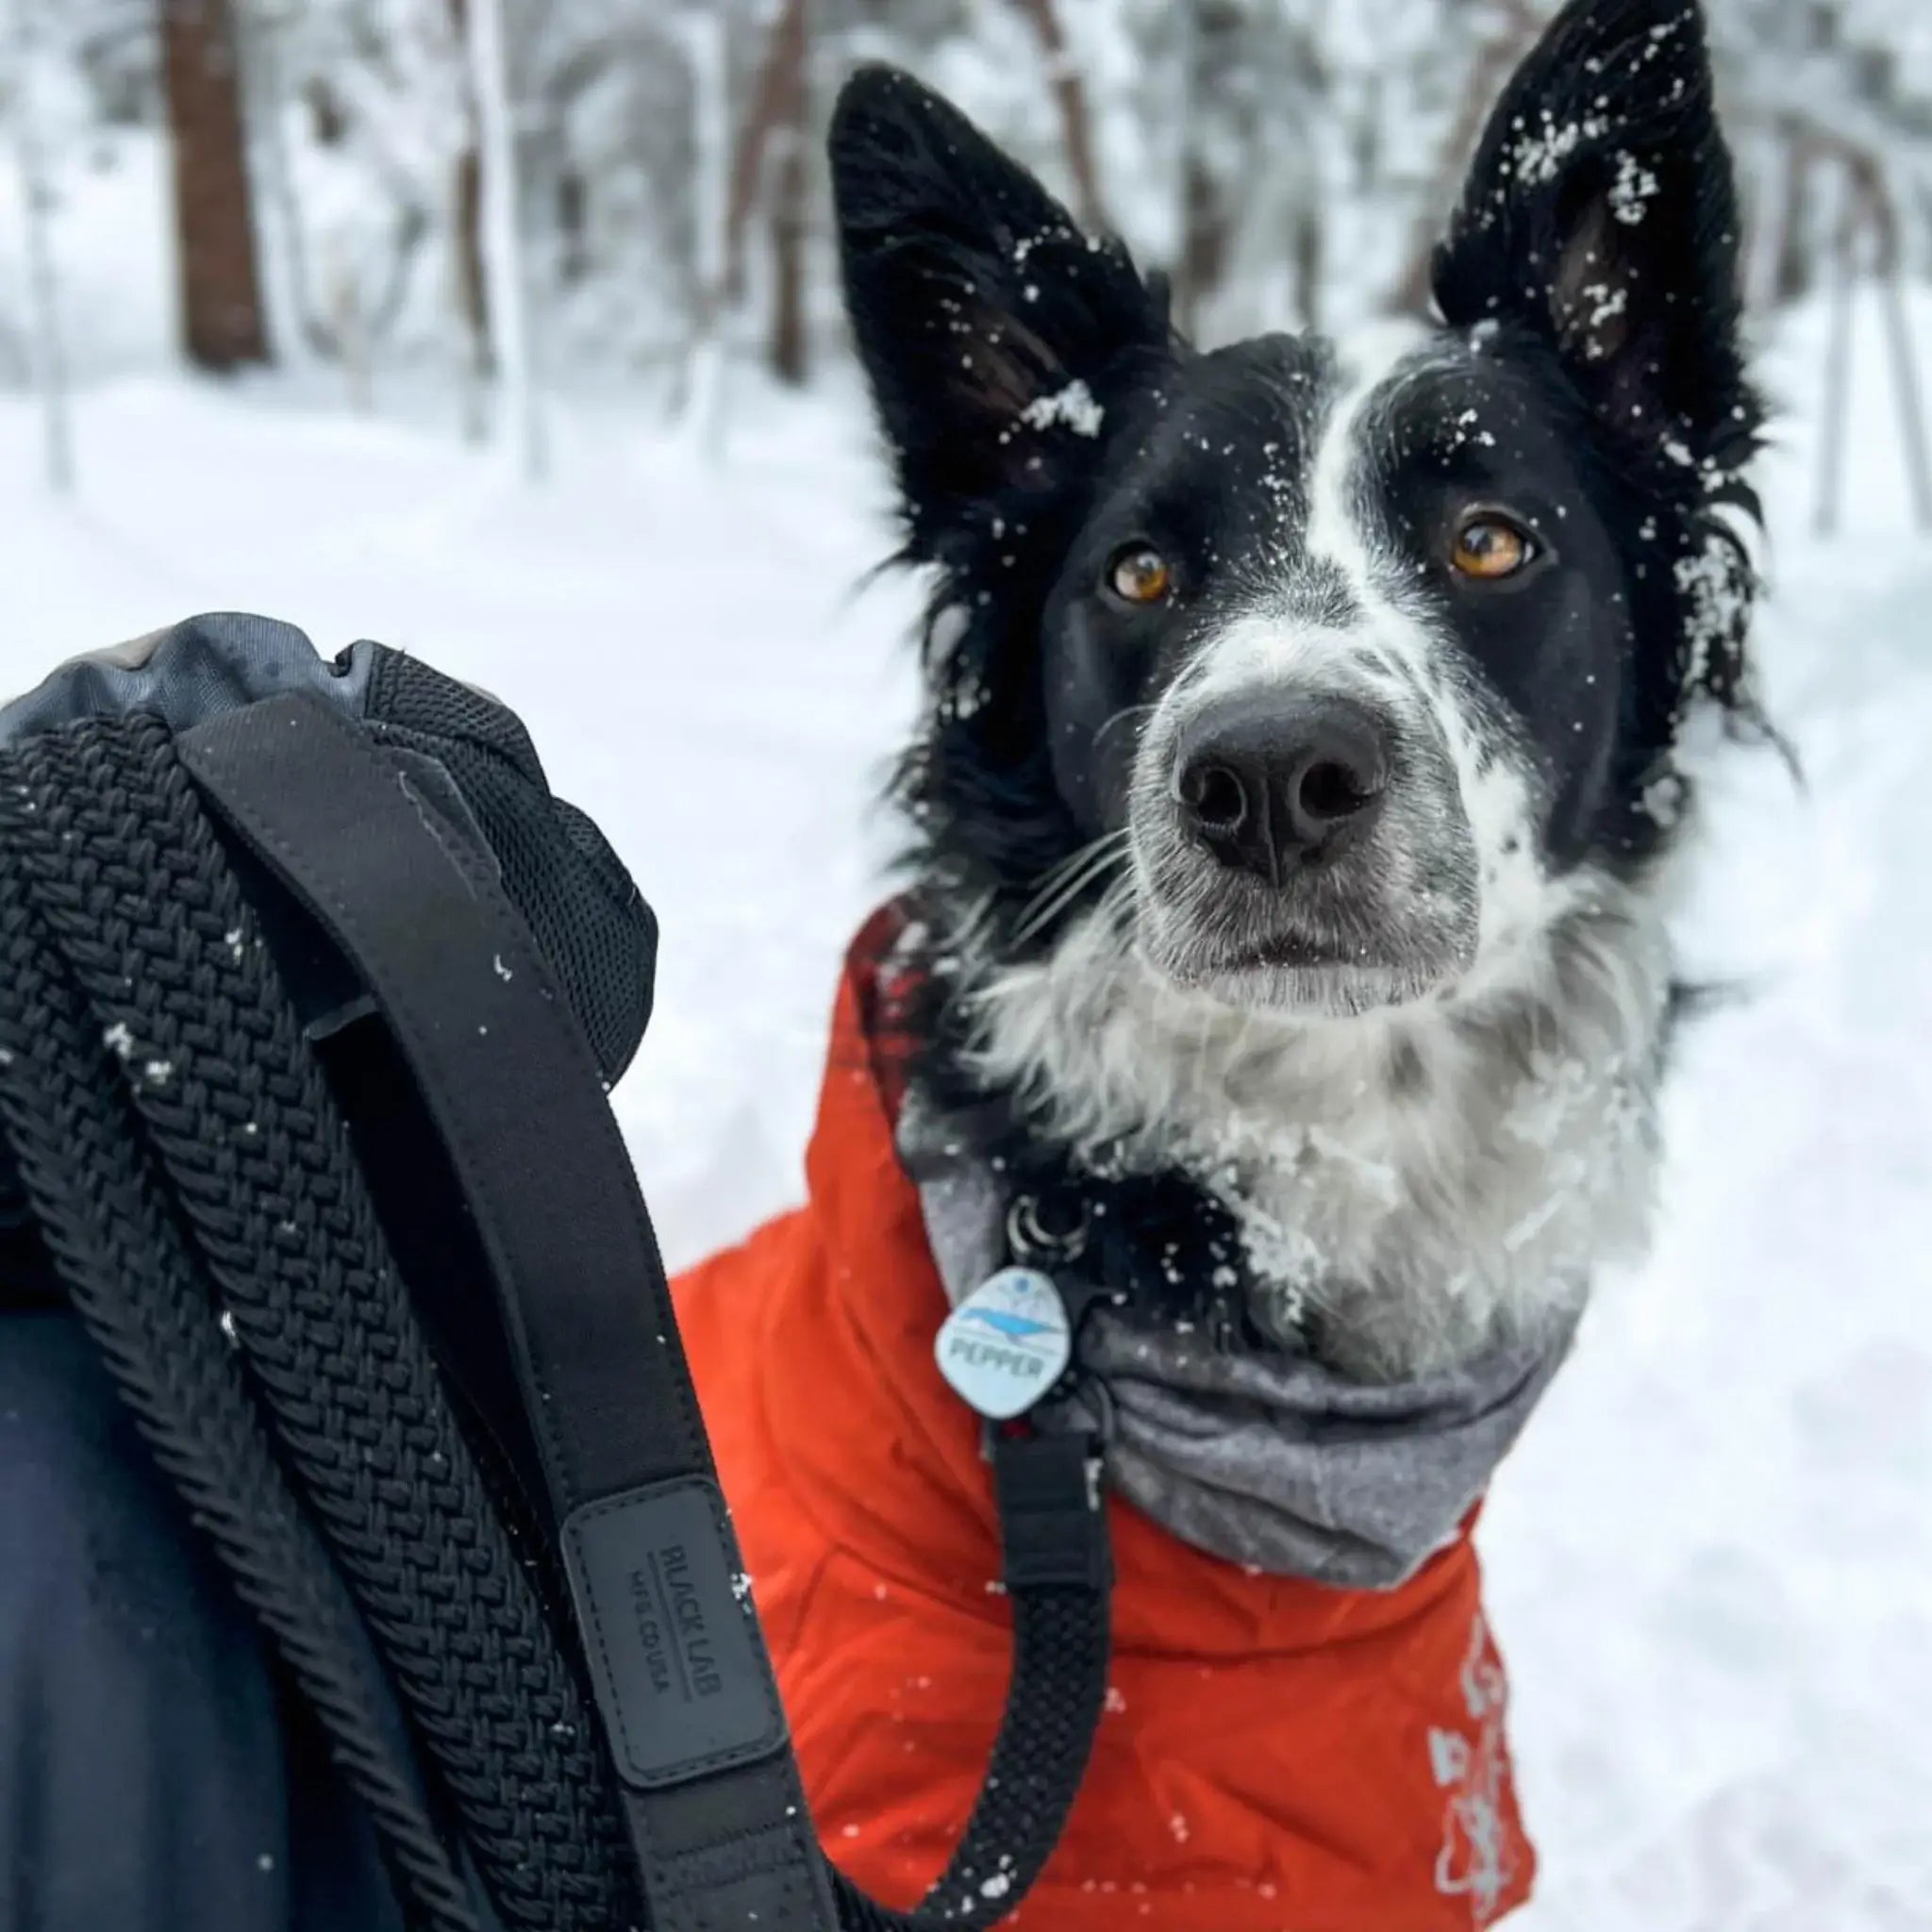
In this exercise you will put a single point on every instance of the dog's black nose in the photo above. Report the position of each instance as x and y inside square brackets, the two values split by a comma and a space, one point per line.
[1272, 784]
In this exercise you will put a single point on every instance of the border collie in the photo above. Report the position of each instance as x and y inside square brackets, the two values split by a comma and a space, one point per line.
[1303, 757]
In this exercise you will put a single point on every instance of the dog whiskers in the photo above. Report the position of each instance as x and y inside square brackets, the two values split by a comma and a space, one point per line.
[1062, 884]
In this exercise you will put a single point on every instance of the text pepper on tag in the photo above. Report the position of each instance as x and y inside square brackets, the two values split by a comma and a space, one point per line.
[1006, 1343]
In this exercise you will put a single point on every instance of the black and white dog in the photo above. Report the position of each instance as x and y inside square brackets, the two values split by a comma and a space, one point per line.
[1294, 807]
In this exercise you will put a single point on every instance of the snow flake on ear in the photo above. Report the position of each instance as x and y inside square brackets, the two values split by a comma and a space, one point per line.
[1635, 187]
[1467, 429]
[1540, 153]
[1024, 245]
[1608, 302]
[1075, 405]
[968, 699]
[1663, 31]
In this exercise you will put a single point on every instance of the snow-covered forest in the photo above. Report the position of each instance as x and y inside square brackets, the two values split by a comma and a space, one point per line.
[507, 330]
[633, 190]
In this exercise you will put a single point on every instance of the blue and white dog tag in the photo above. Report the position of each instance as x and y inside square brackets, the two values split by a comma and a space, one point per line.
[1006, 1343]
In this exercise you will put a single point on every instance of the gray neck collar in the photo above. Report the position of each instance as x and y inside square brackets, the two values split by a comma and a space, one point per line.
[1261, 1457]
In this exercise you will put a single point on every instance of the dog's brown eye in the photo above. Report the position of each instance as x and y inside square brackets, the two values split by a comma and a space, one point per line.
[1489, 546]
[1140, 575]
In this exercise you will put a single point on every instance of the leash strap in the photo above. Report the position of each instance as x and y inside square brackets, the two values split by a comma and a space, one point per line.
[712, 1792]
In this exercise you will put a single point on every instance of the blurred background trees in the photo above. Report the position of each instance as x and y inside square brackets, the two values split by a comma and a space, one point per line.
[1286, 162]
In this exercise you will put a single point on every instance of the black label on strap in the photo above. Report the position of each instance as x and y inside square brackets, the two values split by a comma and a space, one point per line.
[680, 1676]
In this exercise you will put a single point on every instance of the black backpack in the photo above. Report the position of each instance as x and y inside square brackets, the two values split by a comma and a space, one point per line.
[310, 994]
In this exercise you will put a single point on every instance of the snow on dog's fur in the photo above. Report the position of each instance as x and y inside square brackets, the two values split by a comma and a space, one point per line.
[1301, 772]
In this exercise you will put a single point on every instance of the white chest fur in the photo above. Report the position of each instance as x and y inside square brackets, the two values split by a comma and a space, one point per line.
[1422, 1180]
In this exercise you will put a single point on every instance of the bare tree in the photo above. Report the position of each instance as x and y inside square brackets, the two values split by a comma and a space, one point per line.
[704, 40]
[469, 275]
[507, 301]
[49, 360]
[1070, 96]
[771, 143]
[1287, 163]
[1866, 213]
[788, 350]
[1518, 23]
[771, 168]
[221, 317]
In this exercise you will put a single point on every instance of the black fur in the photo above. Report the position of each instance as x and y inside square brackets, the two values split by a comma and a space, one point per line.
[1634, 77]
[971, 294]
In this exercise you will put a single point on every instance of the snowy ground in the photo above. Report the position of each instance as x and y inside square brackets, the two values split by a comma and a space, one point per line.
[1711, 1559]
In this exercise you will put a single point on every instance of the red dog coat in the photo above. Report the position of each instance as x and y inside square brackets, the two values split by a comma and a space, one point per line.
[1277, 1755]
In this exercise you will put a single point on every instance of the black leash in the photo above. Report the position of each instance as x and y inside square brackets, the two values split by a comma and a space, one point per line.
[207, 1086]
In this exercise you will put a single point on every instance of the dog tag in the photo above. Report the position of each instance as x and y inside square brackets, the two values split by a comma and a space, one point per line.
[1006, 1344]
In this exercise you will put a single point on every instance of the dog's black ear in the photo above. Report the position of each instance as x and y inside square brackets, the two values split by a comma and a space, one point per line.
[993, 331]
[1601, 214]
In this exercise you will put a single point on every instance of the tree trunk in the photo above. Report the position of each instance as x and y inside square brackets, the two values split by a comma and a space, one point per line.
[49, 351]
[776, 105]
[1883, 212]
[699, 397]
[473, 281]
[1204, 244]
[223, 326]
[1837, 363]
[790, 352]
[1076, 130]
[1522, 23]
[501, 222]
[1766, 213]
[572, 203]
[469, 278]
[1793, 266]
[1911, 396]
[774, 119]
[1183, 72]
[1311, 252]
